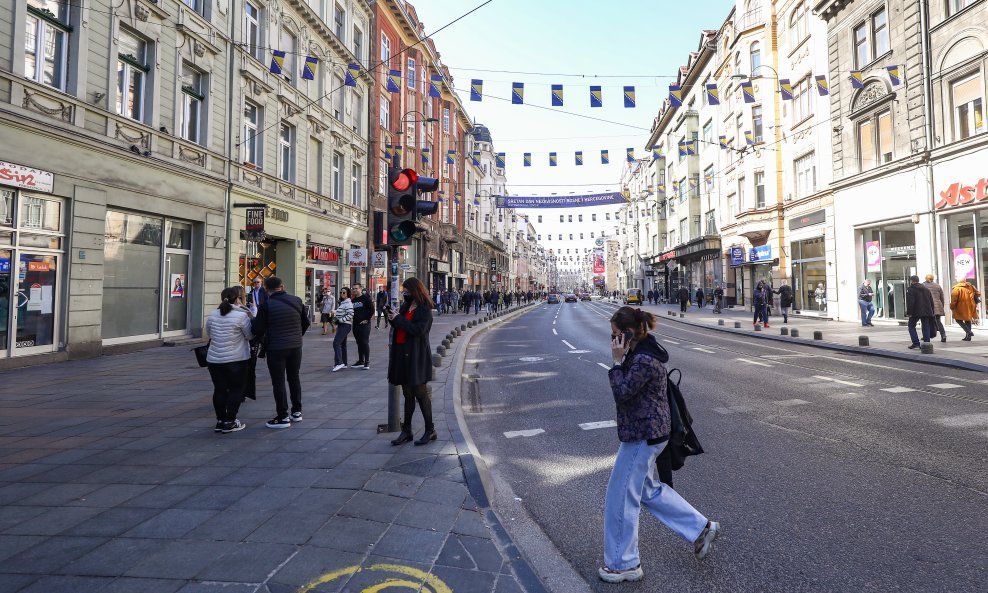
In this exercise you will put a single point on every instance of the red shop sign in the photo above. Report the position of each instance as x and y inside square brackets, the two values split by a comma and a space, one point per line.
[961, 195]
[325, 254]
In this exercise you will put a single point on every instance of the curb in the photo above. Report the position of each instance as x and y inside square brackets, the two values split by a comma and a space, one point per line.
[475, 470]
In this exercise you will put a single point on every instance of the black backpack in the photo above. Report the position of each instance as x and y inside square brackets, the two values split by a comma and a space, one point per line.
[682, 439]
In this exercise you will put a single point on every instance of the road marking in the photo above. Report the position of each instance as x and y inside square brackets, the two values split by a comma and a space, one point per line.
[554, 332]
[791, 402]
[596, 425]
[671, 342]
[579, 351]
[944, 386]
[761, 364]
[704, 350]
[554, 322]
[898, 389]
[603, 366]
[733, 409]
[523, 433]
[964, 420]
[832, 380]
[571, 346]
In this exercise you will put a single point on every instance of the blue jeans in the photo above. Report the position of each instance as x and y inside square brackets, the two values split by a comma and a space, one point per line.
[339, 343]
[926, 329]
[633, 483]
[867, 311]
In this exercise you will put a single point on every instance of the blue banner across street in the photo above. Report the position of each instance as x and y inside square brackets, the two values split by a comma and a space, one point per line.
[560, 201]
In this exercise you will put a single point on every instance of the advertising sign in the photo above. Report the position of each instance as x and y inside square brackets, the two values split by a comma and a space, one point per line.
[357, 258]
[963, 263]
[26, 177]
[560, 201]
[737, 255]
[873, 256]
[763, 253]
[598, 261]
[177, 286]
[380, 259]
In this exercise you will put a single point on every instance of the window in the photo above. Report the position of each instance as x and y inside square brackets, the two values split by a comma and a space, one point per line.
[411, 74]
[875, 141]
[357, 111]
[708, 178]
[711, 223]
[562, 218]
[802, 97]
[196, 5]
[338, 97]
[355, 175]
[382, 178]
[446, 119]
[732, 204]
[286, 152]
[955, 6]
[385, 49]
[339, 22]
[579, 218]
[193, 95]
[805, 175]
[759, 189]
[608, 215]
[132, 71]
[252, 30]
[682, 230]
[46, 42]
[593, 218]
[968, 105]
[798, 25]
[871, 38]
[252, 139]
[708, 133]
[756, 122]
[570, 218]
[314, 168]
[741, 183]
[337, 188]
[358, 44]
[756, 58]
[385, 113]
[540, 219]
[290, 47]
[683, 189]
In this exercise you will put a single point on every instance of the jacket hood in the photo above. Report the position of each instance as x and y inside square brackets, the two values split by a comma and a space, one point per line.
[650, 347]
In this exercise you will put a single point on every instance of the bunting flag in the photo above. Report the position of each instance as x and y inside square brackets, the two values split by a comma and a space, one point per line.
[682, 148]
[651, 189]
[691, 147]
[499, 160]
[528, 159]
[748, 91]
[394, 81]
[657, 152]
[749, 137]
[425, 156]
[476, 89]
[630, 154]
[709, 178]
[457, 197]
[605, 157]
[476, 199]
[557, 95]
[676, 95]
[442, 195]
[822, 86]
[352, 71]
[662, 188]
[895, 77]
[397, 152]
[277, 61]
[518, 93]
[579, 158]
[309, 68]
[675, 187]
[723, 143]
[694, 181]
[552, 159]
[629, 96]
[785, 89]
[388, 153]
[475, 158]
[451, 156]
[435, 85]
[713, 95]
[596, 97]
[857, 80]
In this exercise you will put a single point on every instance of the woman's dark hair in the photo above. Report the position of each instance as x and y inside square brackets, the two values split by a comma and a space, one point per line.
[346, 290]
[419, 294]
[638, 321]
[228, 297]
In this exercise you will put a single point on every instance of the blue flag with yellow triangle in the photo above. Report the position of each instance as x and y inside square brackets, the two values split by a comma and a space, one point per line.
[435, 86]
[630, 153]
[713, 95]
[552, 159]
[528, 159]
[309, 67]
[579, 158]
[605, 157]
[676, 95]
[476, 89]
[557, 95]
[629, 96]
[499, 160]
[394, 81]
[277, 61]
[352, 71]
[425, 156]
[596, 97]
[748, 91]
[518, 93]
[822, 86]
[476, 158]
[785, 89]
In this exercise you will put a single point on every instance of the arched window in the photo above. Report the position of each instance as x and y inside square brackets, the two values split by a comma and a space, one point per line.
[756, 58]
[797, 24]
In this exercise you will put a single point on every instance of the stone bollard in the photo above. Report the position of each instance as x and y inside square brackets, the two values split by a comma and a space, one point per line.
[445, 343]
[926, 348]
[863, 341]
[794, 332]
[737, 325]
[437, 360]
[463, 327]
[720, 322]
[681, 315]
[818, 335]
[784, 331]
[441, 350]
[757, 328]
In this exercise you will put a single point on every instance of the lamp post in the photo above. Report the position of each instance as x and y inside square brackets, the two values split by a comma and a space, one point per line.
[401, 129]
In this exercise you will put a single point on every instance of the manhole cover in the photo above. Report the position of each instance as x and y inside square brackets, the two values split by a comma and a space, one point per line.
[530, 358]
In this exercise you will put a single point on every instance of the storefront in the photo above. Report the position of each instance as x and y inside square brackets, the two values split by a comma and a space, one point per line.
[279, 253]
[746, 273]
[697, 264]
[963, 221]
[809, 275]
[322, 269]
[889, 258]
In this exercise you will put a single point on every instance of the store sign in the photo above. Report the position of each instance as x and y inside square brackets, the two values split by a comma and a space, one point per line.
[357, 258]
[963, 263]
[737, 255]
[873, 256]
[380, 259]
[38, 266]
[277, 214]
[26, 177]
[668, 255]
[255, 220]
[323, 254]
[763, 253]
[962, 195]
[818, 217]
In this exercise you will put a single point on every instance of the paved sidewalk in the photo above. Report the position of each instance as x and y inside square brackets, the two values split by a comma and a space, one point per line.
[112, 480]
[885, 338]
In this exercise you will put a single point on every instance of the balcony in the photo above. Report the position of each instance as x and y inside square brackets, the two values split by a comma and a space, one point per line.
[495, 243]
[750, 19]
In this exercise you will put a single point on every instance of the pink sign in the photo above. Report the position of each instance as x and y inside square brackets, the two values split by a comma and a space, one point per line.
[963, 263]
[873, 256]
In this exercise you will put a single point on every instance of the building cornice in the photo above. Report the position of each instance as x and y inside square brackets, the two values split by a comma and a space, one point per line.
[828, 9]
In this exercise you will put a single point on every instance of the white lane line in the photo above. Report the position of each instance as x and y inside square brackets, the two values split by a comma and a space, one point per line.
[843, 396]
[523, 433]
[733, 409]
[571, 346]
[704, 350]
[603, 366]
[554, 322]
[671, 342]
[832, 380]
[761, 364]
[596, 425]
[944, 386]
[898, 389]
[791, 402]
[554, 332]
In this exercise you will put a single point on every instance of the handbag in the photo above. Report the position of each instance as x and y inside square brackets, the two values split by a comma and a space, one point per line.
[201, 352]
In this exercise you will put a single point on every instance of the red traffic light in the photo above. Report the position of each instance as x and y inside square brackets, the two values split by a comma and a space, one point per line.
[403, 179]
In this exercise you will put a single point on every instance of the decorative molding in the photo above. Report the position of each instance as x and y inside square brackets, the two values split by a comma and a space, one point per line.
[142, 139]
[254, 84]
[60, 110]
[141, 12]
[198, 49]
[250, 177]
[191, 156]
[286, 190]
[873, 92]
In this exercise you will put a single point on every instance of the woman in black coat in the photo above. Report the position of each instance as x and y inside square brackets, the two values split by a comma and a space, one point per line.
[410, 359]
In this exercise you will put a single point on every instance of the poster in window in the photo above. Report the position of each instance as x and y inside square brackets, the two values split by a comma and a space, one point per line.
[873, 256]
[963, 263]
[178, 286]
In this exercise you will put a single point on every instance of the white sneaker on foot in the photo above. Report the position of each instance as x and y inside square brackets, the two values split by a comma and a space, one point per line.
[704, 543]
[620, 576]
[339, 367]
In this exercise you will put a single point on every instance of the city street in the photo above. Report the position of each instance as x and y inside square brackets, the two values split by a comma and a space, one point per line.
[829, 471]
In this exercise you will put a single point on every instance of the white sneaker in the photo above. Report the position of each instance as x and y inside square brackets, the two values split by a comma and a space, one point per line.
[703, 544]
[619, 576]
[339, 367]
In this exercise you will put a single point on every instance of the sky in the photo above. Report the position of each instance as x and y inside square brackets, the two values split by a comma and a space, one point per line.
[576, 43]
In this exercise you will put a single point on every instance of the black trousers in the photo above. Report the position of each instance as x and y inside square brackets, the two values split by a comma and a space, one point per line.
[937, 326]
[423, 395]
[380, 315]
[229, 380]
[361, 333]
[966, 326]
[682, 305]
[282, 363]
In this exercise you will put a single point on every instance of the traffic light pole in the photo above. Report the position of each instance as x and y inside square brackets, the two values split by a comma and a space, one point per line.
[394, 398]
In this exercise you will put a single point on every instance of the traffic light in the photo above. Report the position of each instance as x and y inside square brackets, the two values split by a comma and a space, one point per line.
[404, 207]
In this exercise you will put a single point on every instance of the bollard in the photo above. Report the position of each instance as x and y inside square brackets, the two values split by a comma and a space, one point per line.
[441, 350]
[737, 325]
[757, 328]
[863, 341]
[681, 315]
[794, 332]
[463, 327]
[445, 343]
[818, 335]
[720, 322]
[926, 348]
[784, 331]
[437, 360]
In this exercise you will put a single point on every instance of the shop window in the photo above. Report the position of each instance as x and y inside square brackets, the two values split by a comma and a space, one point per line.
[6, 207]
[889, 259]
[253, 31]
[871, 38]
[253, 122]
[809, 274]
[966, 97]
[193, 95]
[875, 141]
[805, 169]
[40, 214]
[133, 67]
[46, 38]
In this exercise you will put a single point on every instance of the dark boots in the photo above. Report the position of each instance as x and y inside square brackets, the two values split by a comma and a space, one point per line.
[423, 395]
[403, 437]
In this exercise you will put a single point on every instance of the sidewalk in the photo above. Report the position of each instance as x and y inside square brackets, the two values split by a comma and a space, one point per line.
[886, 338]
[112, 480]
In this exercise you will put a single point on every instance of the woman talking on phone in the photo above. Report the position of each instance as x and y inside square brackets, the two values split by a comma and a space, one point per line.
[410, 360]
[638, 383]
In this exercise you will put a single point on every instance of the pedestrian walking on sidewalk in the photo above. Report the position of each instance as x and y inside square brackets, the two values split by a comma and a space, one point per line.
[257, 296]
[363, 312]
[281, 322]
[964, 300]
[866, 294]
[344, 321]
[228, 356]
[410, 358]
[718, 299]
[919, 308]
[327, 304]
[699, 298]
[382, 302]
[785, 300]
[639, 386]
[684, 298]
[936, 325]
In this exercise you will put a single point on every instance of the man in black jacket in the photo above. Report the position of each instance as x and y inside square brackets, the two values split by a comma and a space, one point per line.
[382, 302]
[919, 307]
[684, 298]
[280, 323]
[363, 312]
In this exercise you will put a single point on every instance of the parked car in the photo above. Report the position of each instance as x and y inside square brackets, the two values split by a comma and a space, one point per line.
[553, 299]
[633, 296]
[571, 298]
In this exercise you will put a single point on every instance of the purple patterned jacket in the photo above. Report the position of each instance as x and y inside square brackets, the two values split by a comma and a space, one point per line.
[639, 387]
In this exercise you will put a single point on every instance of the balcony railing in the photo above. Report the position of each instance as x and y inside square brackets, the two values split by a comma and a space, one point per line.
[750, 19]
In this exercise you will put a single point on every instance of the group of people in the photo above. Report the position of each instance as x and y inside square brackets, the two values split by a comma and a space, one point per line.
[925, 306]
[655, 296]
[353, 312]
[491, 301]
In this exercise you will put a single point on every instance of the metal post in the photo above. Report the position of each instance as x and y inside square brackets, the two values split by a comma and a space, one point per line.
[394, 401]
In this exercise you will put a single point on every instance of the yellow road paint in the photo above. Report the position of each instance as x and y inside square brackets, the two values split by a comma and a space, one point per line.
[434, 585]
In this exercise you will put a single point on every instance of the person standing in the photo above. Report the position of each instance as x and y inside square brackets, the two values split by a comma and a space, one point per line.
[344, 321]
[919, 308]
[761, 298]
[257, 296]
[699, 298]
[964, 299]
[363, 312]
[327, 304]
[410, 358]
[936, 324]
[684, 298]
[228, 356]
[718, 299]
[382, 302]
[639, 386]
[866, 294]
[281, 321]
[785, 300]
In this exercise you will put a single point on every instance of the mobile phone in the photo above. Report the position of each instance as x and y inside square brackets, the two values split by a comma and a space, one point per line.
[628, 334]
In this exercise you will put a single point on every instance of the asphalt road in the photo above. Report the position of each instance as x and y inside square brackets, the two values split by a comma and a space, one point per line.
[828, 471]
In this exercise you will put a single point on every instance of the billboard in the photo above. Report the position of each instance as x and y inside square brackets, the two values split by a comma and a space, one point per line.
[598, 261]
